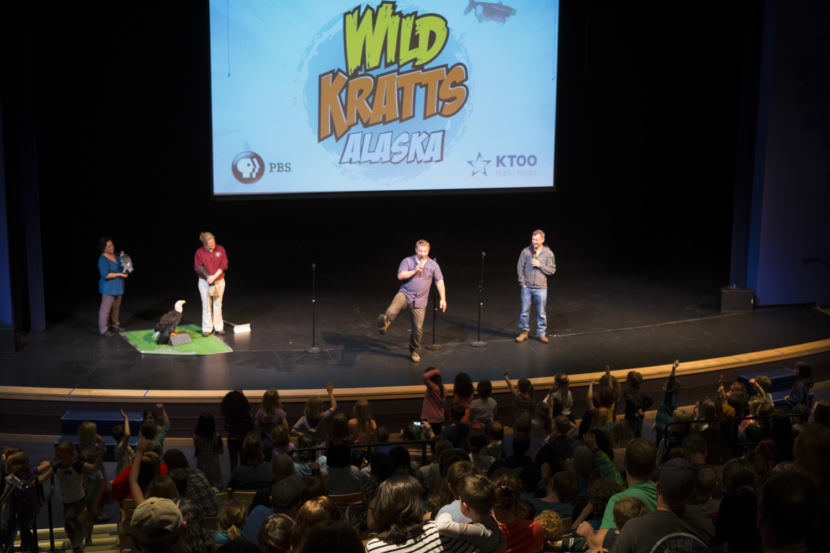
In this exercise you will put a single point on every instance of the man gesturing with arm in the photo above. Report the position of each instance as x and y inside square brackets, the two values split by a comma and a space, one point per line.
[416, 273]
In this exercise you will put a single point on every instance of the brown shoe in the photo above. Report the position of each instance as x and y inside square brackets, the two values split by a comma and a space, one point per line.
[521, 337]
[416, 358]
[383, 323]
[543, 338]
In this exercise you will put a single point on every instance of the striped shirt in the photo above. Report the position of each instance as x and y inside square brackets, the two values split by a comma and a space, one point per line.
[427, 542]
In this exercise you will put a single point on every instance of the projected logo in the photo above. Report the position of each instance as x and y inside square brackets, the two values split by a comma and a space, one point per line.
[389, 88]
[248, 167]
[504, 164]
[479, 165]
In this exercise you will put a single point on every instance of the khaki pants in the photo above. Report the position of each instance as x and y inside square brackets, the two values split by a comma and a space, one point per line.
[416, 316]
[110, 308]
[212, 305]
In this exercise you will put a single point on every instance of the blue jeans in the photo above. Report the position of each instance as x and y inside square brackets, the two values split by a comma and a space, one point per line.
[538, 296]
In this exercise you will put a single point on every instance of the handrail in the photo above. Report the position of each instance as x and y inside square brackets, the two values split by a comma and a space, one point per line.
[350, 445]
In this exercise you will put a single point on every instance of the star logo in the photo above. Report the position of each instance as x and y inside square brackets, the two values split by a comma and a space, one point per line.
[479, 165]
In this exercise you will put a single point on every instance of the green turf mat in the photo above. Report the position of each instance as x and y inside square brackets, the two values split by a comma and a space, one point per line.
[142, 340]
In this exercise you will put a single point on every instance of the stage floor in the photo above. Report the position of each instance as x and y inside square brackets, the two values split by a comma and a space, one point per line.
[597, 318]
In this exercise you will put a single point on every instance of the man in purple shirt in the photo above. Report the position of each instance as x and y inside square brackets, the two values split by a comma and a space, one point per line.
[417, 273]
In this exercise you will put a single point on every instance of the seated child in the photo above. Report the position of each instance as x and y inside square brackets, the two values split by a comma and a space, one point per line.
[495, 435]
[231, 522]
[554, 528]
[282, 442]
[457, 432]
[476, 494]
[625, 509]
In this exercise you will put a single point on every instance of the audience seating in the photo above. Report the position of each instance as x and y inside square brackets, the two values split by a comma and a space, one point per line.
[346, 499]
[353, 505]
[244, 497]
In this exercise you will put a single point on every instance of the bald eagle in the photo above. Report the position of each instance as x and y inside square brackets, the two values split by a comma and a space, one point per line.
[168, 323]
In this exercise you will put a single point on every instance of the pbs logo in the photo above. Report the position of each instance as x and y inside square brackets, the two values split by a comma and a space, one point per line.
[248, 167]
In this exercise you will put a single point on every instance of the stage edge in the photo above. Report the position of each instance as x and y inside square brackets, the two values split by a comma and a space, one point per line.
[405, 392]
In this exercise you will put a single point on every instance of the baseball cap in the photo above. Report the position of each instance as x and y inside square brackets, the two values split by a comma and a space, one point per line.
[156, 521]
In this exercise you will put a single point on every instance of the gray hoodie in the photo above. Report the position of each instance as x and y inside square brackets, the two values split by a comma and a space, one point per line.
[535, 277]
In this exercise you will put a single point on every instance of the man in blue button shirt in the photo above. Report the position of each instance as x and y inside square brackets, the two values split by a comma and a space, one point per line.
[416, 272]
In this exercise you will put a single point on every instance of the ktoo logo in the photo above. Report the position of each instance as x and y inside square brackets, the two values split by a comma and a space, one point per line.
[516, 160]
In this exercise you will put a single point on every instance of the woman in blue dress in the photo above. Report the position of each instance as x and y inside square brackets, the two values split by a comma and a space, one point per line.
[111, 287]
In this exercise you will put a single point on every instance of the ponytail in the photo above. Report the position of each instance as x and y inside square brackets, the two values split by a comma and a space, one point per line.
[233, 532]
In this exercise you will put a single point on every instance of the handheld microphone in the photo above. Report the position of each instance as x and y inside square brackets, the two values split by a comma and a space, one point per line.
[16, 482]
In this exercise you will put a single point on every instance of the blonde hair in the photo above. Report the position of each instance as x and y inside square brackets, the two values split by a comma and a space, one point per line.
[681, 418]
[538, 231]
[232, 518]
[205, 237]
[627, 508]
[87, 433]
[551, 523]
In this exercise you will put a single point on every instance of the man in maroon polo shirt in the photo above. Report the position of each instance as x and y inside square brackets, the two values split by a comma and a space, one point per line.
[210, 263]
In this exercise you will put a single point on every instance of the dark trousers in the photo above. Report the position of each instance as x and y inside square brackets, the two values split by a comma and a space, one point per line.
[416, 316]
[636, 424]
[234, 447]
[73, 523]
[25, 524]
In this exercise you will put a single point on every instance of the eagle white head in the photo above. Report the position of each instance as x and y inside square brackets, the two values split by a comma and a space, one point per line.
[179, 305]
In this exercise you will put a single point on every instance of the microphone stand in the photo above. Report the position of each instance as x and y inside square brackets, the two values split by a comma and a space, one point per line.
[435, 309]
[313, 348]
[479, 343]
[49, 509]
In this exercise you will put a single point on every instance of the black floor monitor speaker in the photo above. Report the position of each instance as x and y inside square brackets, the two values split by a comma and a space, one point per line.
[736, 299]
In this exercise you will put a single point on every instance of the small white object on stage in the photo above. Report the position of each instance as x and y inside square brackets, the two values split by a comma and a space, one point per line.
[239, 328]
